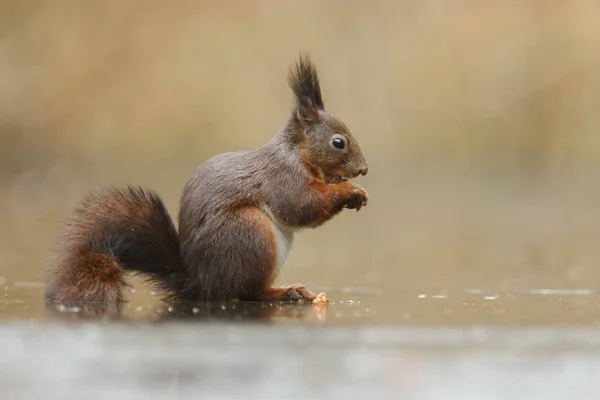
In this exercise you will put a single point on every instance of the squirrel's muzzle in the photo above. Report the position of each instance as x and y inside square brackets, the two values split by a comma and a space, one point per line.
[363, 170]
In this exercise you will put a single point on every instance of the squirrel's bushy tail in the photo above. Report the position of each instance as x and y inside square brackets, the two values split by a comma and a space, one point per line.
[111, 232]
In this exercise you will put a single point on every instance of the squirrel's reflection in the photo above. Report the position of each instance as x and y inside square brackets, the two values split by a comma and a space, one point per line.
[224, 311]
[69, 311]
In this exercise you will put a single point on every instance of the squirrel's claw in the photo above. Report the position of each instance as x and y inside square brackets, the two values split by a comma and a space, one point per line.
[358, 200]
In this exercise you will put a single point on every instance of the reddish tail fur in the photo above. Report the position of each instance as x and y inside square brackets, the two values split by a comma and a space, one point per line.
[111, 232]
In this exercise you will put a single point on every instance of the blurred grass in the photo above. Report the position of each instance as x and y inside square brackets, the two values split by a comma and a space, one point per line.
[479, 121]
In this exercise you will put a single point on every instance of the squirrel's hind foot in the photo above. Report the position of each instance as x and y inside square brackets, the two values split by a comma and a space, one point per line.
[298, 291]
[295, 292]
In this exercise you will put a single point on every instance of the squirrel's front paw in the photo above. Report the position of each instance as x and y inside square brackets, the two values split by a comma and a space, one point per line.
[358, 198]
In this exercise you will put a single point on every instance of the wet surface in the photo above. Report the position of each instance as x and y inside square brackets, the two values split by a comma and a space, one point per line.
[368, 342]
[380, 341]
[348, 306]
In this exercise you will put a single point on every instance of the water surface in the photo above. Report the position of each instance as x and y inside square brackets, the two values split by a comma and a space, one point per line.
[348, 306]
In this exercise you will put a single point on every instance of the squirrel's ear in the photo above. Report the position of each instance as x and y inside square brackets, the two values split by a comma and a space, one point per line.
[306, 112]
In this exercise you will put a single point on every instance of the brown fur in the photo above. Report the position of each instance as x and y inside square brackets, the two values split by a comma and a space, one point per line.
[90, 276]
[229, 210]
[111, 232]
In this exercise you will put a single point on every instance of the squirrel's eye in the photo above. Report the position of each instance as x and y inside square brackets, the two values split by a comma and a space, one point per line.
[338, 143]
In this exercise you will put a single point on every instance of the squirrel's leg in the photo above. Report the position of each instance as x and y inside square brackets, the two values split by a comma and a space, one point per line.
[240, 262]
[267, 258]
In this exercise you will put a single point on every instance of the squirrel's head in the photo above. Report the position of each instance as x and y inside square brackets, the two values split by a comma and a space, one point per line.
[326, 142]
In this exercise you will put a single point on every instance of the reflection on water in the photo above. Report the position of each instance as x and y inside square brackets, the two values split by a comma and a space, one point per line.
[228, 311]
[348, 306]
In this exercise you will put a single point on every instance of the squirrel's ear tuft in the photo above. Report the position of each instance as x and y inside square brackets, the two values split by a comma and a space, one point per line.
[304, 82]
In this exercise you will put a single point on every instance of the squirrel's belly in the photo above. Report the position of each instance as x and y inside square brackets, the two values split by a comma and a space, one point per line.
[284, 237]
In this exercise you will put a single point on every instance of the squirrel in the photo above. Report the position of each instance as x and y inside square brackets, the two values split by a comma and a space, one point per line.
[238, 215]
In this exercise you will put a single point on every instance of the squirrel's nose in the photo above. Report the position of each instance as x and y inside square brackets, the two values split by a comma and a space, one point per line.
[363, 170]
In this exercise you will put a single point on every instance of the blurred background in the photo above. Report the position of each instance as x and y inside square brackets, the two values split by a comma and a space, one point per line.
[479, 120]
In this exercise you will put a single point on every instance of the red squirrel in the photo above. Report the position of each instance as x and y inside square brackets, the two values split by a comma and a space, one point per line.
[238, 214]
